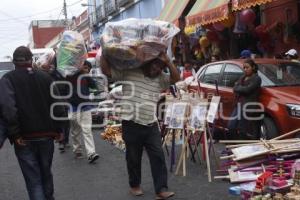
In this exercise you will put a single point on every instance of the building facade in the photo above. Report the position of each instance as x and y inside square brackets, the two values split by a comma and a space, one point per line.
[43, 31]
[79, 24]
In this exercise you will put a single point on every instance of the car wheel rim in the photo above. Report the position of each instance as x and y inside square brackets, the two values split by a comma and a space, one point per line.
[263, 131]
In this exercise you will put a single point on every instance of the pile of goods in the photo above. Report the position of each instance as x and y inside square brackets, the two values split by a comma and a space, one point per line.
[71, 53]
[132, 42]
[113, 134]
[266, 169]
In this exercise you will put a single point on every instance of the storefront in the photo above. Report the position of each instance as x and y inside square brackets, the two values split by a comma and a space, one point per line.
[265, 27]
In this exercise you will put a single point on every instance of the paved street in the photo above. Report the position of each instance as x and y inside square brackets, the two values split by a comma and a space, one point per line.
[105, 180]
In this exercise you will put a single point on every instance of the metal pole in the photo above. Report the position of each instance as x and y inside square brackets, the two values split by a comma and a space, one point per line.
[65, 14]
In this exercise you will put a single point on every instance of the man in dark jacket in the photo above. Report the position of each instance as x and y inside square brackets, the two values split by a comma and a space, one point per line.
[28, 108]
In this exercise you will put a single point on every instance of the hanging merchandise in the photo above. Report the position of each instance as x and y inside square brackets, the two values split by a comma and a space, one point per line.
[193, 40]
[189, 30]
[229, 22]
[261, 32]
[212, 36]
[200, 31]
[218, 26]
[247, 16]
[239, 27]
[215, 49]
[204, 42]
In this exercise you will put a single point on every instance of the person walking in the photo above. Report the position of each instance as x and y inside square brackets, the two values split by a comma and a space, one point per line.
[139, 123]
[48, 64]
[247, 90]
[28, 108]
[80, 115]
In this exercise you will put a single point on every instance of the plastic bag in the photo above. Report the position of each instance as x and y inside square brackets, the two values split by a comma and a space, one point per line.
[71, 53]
[45, 61]
[133, 42]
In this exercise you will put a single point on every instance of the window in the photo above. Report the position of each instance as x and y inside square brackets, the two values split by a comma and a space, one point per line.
[231, 74]
[211, 74]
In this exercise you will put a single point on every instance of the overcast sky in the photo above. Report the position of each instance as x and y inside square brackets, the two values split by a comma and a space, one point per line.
[16, 15]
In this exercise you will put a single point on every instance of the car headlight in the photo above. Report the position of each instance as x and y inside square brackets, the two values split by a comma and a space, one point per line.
[293, 109]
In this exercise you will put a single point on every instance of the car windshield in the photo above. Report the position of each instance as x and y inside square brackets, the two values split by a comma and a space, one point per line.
[283, 74]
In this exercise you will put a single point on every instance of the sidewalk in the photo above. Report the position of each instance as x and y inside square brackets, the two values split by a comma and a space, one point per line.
[107, 179]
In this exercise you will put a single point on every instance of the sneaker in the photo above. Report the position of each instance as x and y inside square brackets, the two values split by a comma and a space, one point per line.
[78, 155]
[164, 195]
[136, 191]
[61, 147]
[92, 158]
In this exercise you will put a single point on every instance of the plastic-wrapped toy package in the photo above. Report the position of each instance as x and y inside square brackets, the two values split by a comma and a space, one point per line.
[46, 60]
[130, 43]
[71, 53]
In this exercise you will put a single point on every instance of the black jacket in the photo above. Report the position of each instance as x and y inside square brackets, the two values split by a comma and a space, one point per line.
[84, 85]
[26, 104]
[248, 90]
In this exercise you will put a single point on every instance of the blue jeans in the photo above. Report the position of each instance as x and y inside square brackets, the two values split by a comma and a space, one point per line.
[35, 160]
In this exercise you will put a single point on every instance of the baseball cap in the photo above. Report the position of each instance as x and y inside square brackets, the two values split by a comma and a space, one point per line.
[291, 52]
[22, 54]
[246, 53]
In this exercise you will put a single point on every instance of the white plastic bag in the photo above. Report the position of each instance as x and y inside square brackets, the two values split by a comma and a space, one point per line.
[133, 42]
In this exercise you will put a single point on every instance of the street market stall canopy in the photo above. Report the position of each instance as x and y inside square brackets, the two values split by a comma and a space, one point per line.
[173, 10]
[243, 4]
[208, 11]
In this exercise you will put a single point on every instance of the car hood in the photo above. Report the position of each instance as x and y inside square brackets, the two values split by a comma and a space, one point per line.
[289, 94]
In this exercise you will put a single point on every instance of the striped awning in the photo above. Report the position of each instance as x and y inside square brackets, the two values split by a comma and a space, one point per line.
[243, 4]
[173, 10]
[208, 11]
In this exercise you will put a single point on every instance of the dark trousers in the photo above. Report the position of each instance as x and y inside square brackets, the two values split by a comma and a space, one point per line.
[3, 132]
[35, 160]
[136, 138]
[66, 132]
[248, 129]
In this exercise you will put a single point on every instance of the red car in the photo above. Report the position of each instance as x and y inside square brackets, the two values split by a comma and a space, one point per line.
[280, 92]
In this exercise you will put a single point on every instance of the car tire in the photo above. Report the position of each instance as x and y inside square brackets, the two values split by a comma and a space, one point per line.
[268, 129]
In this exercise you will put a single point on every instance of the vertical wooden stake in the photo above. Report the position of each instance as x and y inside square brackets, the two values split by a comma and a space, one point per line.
[207, 157]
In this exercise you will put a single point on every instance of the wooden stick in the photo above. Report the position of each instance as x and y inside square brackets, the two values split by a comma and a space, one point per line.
[180, 161]
[207, 157]
[256, 141]
[184, 146]
[268, 141]
[238, 141]
[268, 146]
[286, 134]
[212, 146]
[227, 157]
[222, 177]
[262, 152]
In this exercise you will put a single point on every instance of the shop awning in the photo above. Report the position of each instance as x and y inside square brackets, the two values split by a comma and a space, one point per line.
[173, 10]
[243, 4]
[208, 11]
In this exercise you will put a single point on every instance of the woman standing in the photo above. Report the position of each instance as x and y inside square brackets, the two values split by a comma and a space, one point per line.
[247, 90]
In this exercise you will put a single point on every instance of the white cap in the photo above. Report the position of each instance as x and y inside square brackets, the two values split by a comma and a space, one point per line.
[291, 52]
